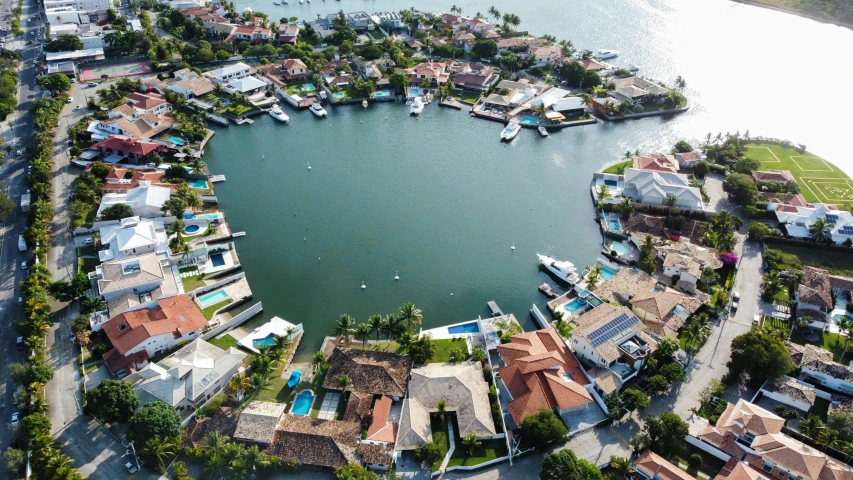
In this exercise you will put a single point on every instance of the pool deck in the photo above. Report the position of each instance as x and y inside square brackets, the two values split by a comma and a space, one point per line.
[440, 333]
[276, 326]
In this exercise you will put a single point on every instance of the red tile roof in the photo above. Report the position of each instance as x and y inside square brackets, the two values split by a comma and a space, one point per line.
[176, 314]
[782, 176]
[127, 144]
[655, 466]
[146, 101]
[379, 430]
[658, 162]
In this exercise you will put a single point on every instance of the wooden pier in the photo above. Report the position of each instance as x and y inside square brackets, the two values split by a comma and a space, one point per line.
[496, 310]
[548, 290]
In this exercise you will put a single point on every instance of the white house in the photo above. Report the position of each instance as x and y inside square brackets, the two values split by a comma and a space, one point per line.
[133, 237]
[144, 278]
[246, 85]
[798, 220]
[230, 72]
[653, 188]
[146, 200]
[790, 391]
[80, 5]
[190, 84]
[612, 337]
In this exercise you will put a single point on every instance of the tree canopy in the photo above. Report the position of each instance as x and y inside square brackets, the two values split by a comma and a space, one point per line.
[741, 188]
[64, 43]
[566, 465]
[544, 427]
[760, 355]
[117, 212]
[56, 84]
[665, 433]
[112, 401]
[153, 419]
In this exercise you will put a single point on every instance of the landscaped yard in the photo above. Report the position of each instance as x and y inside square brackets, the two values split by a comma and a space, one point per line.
[210, 310]
[819, 180]
[443, 348]
[488, 450]
[87, 265]
[238, 110]
[619, 168]
[87, 219]
[439, 436]
[88, 251]
[191, 283]
[466, 96]
[710, 467]
[836, 261]
[224, 342]
[833, 342]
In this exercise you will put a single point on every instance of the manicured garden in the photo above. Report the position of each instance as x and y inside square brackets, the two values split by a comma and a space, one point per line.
[619, 168]
[87, 265]
[193, 282]
[795, 257]
[224, 342]
[443, 348]
[819, 180]
[439, 436]
[210, 310]
[487, 450]
[831, 341]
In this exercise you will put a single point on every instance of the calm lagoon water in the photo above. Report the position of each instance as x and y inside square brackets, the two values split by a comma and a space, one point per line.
[440, 200]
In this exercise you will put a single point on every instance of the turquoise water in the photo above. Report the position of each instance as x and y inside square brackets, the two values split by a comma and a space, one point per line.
[607, 272]
[192, 228]
[266, 341]
[339, 95]
[309, 87]
[210, 216]
[212, 298]
[198, 183]
[575, 305]
[464, 328]
[302, 403]
[619, 247]
[382, 94]
[176, 140]
[529, 120]
[413, 92]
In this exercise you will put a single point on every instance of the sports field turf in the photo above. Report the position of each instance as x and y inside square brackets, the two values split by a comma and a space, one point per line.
[819, 180]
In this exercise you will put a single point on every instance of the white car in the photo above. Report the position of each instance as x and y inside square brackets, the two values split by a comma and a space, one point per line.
[30, 20]
[70, 99]
[15, 418]
[19, 153]
[24, 265]
[89, 241]
[736, 296]
[32, 33]
[756, 319]
[734, 305]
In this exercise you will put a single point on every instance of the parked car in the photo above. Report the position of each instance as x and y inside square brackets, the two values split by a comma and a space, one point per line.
[15, 418]
[89, 241]
[130, 467]
[70, 99]
[736, 296]
[734, 306]
[92, 84]
[24, 265]
[756, 319]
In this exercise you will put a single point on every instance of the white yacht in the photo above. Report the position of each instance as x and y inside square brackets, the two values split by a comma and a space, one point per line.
[276, 3]
[364, 104]
[278, 114]
[417, 106]
[605, 54]
[564, 270]
[318, 110]
[511, 130]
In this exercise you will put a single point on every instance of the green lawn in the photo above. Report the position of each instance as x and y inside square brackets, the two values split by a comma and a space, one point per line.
[777, 324]
[209, 311]
[224, 342]
[238, 110]
[87, 265]
[87, 219]
[443, 348]
[439, 436]
[619, 168]
[465, 96]
[836, 261]
[833, 342]
[819, 180]
[710, 467]
[488, 450]
[88, 251]
[191, 283]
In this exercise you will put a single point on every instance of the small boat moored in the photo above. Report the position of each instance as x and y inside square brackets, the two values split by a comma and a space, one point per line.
[364, 103]
[277, 113]
[318, 110]
[417, 106]
[605, 54]
[543, 131]
[511, 130]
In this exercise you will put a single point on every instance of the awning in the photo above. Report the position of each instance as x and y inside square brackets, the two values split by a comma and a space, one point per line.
[88, 155]
[554, 116]
[113, 158]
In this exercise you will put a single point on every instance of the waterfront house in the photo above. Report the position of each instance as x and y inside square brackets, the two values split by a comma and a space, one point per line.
[140, 334]
[569, 106]
[313, 442]
[116, 181]
[257, 423]
[252, 33]
[652, 466]
[127, 120]
[359, 21]
[689, 159]
[815, 293]
[137, 276]
[230, 72]
[293, 69]
[247, 85]
[687, 261]
[145, 200]
[653, 188]
[478, 25]
[780, 176]
[148, 103]
[750, 434]
[473, 76]
[591, 64]
[435, 71]
[658, 162]
[452, 22]
[390, 20]
[541, 372]
[189, 84]
[288, 34]
[518, 44]
[132, 237]
[543, 55]
[188, 378]
[818, 367]
[464, 389]
[637, 90]
[797, 220]
[373, 372]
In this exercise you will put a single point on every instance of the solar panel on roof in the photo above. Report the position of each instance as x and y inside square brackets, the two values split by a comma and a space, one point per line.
[611, 329]
[832, 218]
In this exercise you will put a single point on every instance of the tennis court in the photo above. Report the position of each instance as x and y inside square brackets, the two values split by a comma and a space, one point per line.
[114, 70]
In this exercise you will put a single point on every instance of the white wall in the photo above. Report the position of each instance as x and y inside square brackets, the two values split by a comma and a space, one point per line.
[705, 447]
[786, 400]
[585, 350]
[157, 344]
[831, 382]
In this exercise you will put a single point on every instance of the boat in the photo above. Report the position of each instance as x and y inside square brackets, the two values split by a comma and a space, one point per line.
[605, 54]
[564, 270]
[294, 379]
[364, 103]
[276, 3]
[278, 114]
[417, 106]
[318, 110]
[543, 131]
[633, 68]
[511, 130]
[322, 94]
[238, 234]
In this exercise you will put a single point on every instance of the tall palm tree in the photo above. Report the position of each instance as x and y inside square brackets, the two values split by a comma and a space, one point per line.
[344, 327]
[158, 451]
[495, 13]
[812, 426]
[629, 155]
[819, 230]
[621, 466]
[344, 383]
[441, 408]
[215, 443]
[602, 193]
[404, 341]
[411, 315]
[254, 460]
[374, 323]
[194, 201]
[626, 207]
[281, 342]
[363, 332]
[470, 442]
[693, 332]
[239, 384]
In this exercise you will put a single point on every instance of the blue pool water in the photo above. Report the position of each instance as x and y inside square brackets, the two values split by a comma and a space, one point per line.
[613, 226]
[198, 183]
[382, 94]
[607, 272]
[575, 305]
[217, 260]
[339, 95]
[266, 341]
[176, 140]
[414, 91]
[529, 120]
[464, 328]
[211, 298]
[302, 404]
[619, 247]
[192, 228]
[611, 183]
[309, 87]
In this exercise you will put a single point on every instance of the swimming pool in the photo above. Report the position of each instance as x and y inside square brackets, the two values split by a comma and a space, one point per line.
[176, 140]
[192, 228]
[382, 94]
[309, 87]
[211, 298]
[339, 95]
[619, 247]
[575, 305]
[529, 120]
[613, 223]
[464, 328]
[302, 403]
[217, 260]
[198, 183]
[266, 341]
[414, 91]
[606, 272]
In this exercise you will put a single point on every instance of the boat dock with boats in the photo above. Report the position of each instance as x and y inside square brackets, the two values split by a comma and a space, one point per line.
[495, 309]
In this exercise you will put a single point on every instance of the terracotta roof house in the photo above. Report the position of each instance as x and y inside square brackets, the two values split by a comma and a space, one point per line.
[591, 64]
[315, 442]
[518, 43]
[689, 159]
[804, 354]
[148, 103]
[659, 162]
[781, 176]
[475, 77]
[815, 292]
[637, 90]
[665, 310]
[382, 430]
[378, 456]
[119, 147]
[115, 181]
[625, 285]
[464, 389]
[380, 373]
[224, 420]
[435, 71]
[541, 372]
[124, 120]
[258, 422]
[791, 392]
[293, 69]
[639, 225]
[737, 470]
[288, 33]
[775, 199]
[172, 321]
[652, 465]
[543, 54]
[190, 84]
[358, 406]
[687, 261]
[818, 365]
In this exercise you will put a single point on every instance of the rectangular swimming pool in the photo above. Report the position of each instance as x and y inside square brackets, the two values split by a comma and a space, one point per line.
[309, 87]
[212, 298]
[176, 140]
[217, 260]
[464, 328]
[382, 94]
[414, 91]
[607, 272]
[198, 184]
[619, 247]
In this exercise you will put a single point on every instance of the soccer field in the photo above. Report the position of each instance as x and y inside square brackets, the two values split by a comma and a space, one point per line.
[819, 180]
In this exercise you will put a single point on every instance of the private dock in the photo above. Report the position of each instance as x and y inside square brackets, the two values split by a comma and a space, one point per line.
[217, 178]
[496, 310]
[548, 290]
[244, 120]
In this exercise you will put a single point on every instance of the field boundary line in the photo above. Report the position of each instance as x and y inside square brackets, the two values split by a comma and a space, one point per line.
[768, 149]
[795, 157]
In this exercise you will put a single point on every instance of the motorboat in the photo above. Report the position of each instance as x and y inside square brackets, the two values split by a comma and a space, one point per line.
[633, 68]
[276, 3]
[364, 103]
[511, 130]
[543, 131]
[318, 110]
[323, 95]
[417, 106]
[562, 269]
[278, 114]
[605, 54]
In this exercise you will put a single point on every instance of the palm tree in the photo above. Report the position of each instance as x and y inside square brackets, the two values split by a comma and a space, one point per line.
[281, 342]
[254, 460]
[470, 442]
[344, 383]
[495, 13]
[319, 358]
[363, 332]
[812, 426]
[441, 408]
[819, 230]
[602, 193]
[411, 315]
[92, 304]
[629, 155]
[194, 201]
[240, 383]
[374, 323]
[670, 201]
[159, 450]
[404, 341]
[344, 327]
[626, 207]
[621, 466]
[693, 332]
